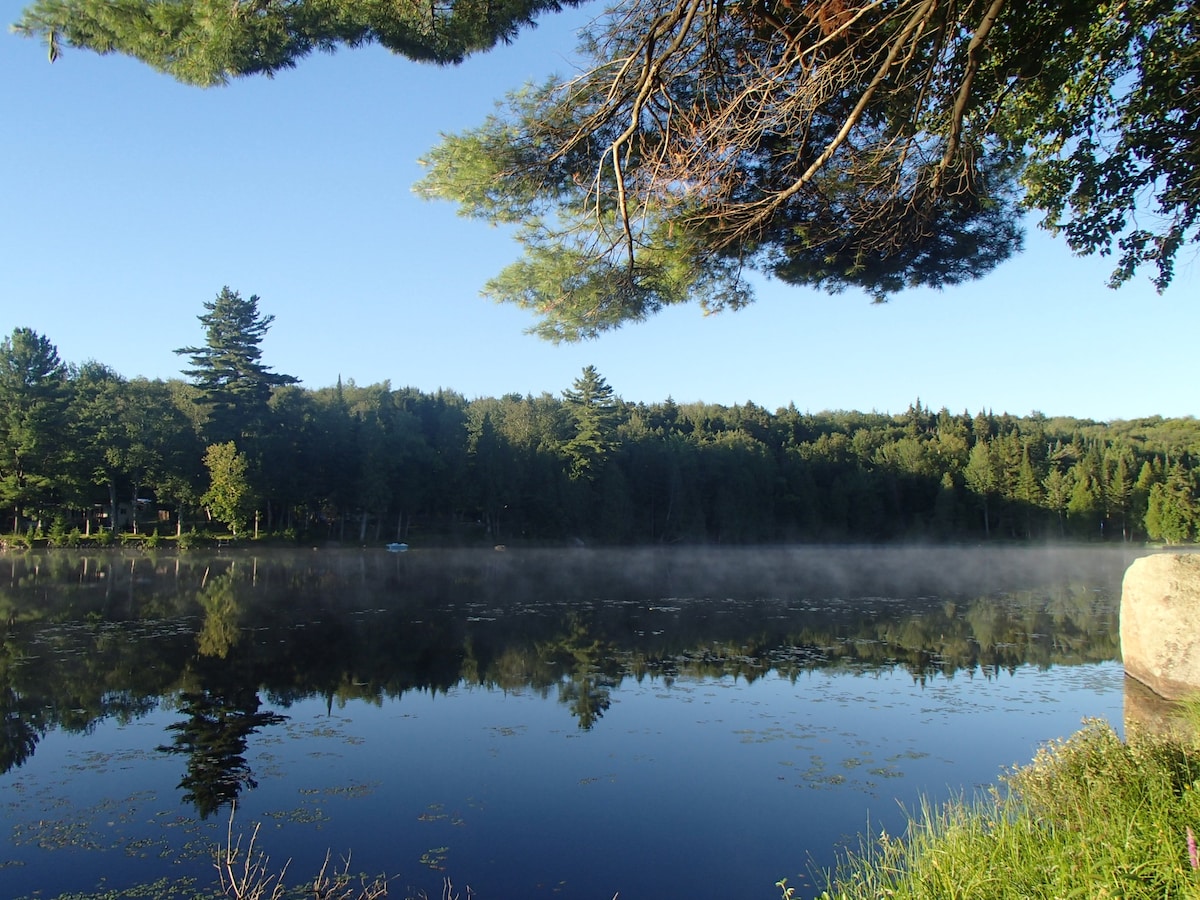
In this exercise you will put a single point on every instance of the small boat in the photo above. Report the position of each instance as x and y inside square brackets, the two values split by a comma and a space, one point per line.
[397, 548]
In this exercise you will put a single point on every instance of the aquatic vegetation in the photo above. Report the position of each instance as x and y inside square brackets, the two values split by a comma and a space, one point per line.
[441, 713]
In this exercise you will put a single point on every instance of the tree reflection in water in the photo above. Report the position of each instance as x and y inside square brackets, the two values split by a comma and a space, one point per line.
[486, 702]
[95, 636]
[592, 673]
[21, 726]
[214, 739]
[222, 616]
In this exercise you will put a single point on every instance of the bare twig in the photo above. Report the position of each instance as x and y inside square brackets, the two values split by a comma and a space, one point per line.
[247, 875]
[717, 115]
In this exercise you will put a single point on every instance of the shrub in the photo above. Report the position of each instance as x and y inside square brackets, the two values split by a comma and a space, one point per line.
[57, 535]
[188, 540]
[17, 541]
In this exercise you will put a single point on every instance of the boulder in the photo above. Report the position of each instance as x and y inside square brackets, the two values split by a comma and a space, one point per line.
[1160, 623]
[1148, 714]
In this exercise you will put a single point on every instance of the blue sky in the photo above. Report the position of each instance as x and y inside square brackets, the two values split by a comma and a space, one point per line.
[130, 200]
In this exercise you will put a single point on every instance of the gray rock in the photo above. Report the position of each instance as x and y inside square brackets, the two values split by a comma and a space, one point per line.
[1160, 623]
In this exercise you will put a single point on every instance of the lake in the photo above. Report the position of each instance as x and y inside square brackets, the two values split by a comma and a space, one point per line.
[575, 724]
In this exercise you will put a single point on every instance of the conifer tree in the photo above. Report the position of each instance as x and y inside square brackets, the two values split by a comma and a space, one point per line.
[1172, 509]
[234, 385]
[1059, 486]
[877, 145]
[1118, 490]
[982, 479]
[593, 408]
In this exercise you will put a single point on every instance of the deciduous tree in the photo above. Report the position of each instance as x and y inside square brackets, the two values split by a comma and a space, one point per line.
[982, 479]
[228, 496]
[33, 398]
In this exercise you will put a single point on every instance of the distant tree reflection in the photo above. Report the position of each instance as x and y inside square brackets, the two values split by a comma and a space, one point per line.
[109, 637]
[214, 738]
[21, 727]
[22, 716]
[222, 617]
[587, 696]
[592, 674]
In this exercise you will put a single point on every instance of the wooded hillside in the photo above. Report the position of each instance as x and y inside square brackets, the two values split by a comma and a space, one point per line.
[81, 446]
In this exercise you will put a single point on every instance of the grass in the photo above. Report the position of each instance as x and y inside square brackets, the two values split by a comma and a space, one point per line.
[1091, 816]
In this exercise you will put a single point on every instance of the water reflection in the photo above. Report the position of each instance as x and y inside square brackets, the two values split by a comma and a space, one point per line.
[592, 669]
[93, 637]
[222, 617]
[21, 725]
[214, 737]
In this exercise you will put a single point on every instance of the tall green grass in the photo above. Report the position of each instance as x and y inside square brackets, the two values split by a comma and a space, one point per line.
[1091, 816]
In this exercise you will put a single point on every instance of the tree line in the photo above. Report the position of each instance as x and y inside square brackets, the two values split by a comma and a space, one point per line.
[236, 446]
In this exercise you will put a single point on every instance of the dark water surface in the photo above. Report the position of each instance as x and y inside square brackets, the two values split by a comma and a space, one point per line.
[532, 723]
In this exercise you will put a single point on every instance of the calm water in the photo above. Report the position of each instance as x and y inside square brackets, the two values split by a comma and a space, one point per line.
[569, 724]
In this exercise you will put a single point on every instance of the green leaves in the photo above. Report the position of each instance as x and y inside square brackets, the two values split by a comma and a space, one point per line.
[234, 385]
[33, 398]
[228, 496]
[1114, 136]
[207, 42]
[888, 150]
[875, 146]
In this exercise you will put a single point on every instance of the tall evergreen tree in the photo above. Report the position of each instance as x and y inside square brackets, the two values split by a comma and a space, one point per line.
[1140, 495]
[234, 385]
[1085, 510]
[1059, 487]
[982, 479]
[493, 470]
[593, 408]
[1172, 510]
[1028, 490]
[1118, 490]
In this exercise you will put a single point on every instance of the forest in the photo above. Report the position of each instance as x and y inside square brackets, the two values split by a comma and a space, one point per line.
[234, 448]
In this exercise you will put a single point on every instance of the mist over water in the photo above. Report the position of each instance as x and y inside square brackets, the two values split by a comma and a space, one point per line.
[654, 722]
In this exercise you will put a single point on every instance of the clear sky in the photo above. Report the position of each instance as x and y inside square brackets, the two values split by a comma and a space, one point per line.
[130, 200]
